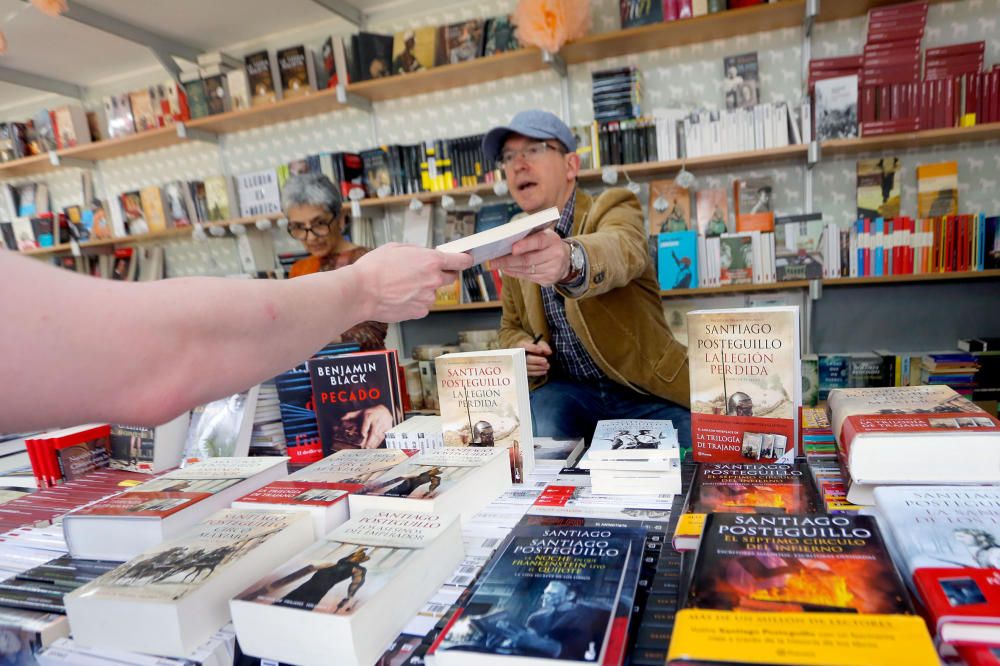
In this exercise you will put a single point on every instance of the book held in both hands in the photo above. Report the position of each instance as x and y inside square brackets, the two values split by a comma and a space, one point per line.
[498, 241]
[745, 383]
[342, 601]
[171, 599]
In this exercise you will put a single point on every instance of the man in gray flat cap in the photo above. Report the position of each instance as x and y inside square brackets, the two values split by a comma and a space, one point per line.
[588, 288]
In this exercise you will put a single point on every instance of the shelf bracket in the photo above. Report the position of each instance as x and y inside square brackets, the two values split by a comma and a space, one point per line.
[344, 10]
[194, 134]
[815, 154]
[39, 82]
[556, 62]
[812, 13]
[353, 100]
[55, 159]
[168, 63]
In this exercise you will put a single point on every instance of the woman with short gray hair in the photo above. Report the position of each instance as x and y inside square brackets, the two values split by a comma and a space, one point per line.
[317, 219]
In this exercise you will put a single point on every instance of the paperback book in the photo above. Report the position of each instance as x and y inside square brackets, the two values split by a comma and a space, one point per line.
[879, 188]
[741, 85]
[768, 489]
[669, 207]
[746, 382]
[343, 600]
[712, 208]
[678, 260]
[641, 444]
[937, 189]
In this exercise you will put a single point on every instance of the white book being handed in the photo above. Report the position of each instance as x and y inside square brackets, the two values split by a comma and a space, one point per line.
[641, 444]
[171, 599]
[485, 402]
[321, 489]
[342, 601]
[499, 241]
[124, 525]
[450, 481]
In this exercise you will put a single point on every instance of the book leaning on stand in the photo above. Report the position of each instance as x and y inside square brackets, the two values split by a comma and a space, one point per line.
[124, 525]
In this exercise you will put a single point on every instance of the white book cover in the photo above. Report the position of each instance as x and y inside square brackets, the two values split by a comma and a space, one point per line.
[837, 108]
[498, 241]
[631, 439]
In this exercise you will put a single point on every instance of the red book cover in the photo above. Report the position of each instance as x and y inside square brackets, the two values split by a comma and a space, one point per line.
[895, 34]
[305, 493]
[938, 103]
[957, 597]
[671, 10]
[881, 76]
[843, 62]
[882, 48]
[895, 94]
[949, 102]
[146, 504]
[994, 95]
[868, 104]
[855, 424]
[954, 49]
[881, 127]
[957, 60]
[892, 59]
[972, 96]
[950, 72]
[905, 10]
[979, 655]
[55, 129]
[884, 103]
[31, 446]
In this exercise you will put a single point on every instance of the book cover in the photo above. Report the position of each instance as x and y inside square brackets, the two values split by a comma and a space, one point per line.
[741, 85]
[261, 78]
[142, 110]
[221, 428]
[294, 70]
[879, 188]
[669, 207]
[526, 605]
[635, 13]
[258, 193]
[430, 473]
[678, 260]
[353, 399]
[937, 189]
[964, 604]
[81, 458]
[217, 94]
[501, 36]
[217, 198]
[767, 487]
[132, 447]
[135, 218]
[414, 50]
[798, 247]
[484, 403]
[373, 57]
[837, 108]
[745, 380]
[736, 258]
[636, 439]
[152, 207]
[753, 198]
[796, 563]
[464, 41]
[455, 225]
[179, 209]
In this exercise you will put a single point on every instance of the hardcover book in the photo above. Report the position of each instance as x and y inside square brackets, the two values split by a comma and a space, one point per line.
[484, 403]
[171, 599]
[741, 85]
[354, 399]
[937, 189]
[879, 188]
[896, 435]
[677, 256]
[343, 600]
[146, 449]
[746, 381]
[123, 525]
[831, 574]
[964, 604]
[837, 108]
[762, 488]
[669, 207]
[447, 481]
[297, 71]
[261, 77]
[524, 608]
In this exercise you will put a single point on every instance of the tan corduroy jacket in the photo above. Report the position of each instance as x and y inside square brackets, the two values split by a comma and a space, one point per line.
[619, 317]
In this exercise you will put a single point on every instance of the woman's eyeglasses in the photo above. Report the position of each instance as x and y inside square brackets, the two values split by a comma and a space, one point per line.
[318, 228]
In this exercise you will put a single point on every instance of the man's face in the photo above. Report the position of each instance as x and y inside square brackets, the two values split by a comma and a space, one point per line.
[553, 595]
[539, 183]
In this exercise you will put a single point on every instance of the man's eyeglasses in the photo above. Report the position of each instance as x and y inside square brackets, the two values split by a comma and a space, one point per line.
[318, 228]
[531, 153]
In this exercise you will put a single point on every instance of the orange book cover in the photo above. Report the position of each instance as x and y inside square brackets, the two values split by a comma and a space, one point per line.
[753, 199]
[937, 189]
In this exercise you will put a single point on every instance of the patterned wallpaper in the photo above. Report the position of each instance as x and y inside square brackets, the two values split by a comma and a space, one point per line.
[689, 75]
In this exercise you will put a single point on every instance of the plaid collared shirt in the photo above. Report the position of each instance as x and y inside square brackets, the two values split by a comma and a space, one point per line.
[570, 355]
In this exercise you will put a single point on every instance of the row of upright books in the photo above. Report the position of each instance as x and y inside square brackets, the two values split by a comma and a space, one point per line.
[635, 13]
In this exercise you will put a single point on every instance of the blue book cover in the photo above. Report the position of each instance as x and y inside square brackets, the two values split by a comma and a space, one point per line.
[878, 263]
[494, 215]
[860, 228]
[525, 605]
[834, 373]
[991, 243]
[678, 260]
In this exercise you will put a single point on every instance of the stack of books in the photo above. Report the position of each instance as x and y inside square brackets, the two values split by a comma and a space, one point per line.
[956, 370]
[419, 432]
[617, 93]
[634, 457]
[890, 72]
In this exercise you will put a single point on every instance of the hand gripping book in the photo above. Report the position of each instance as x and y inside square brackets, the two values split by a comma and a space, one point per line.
[914, 434]
[343, 601]
[746, 384]
[772, 489]
[172, 598]
[321, 489]
[448, 481]
[550, 597]
[484, 404]
[499, 241]
[797, 589]
[124, 525]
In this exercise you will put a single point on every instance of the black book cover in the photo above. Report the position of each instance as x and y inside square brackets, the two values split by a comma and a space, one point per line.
[352, 395]
[374, 56]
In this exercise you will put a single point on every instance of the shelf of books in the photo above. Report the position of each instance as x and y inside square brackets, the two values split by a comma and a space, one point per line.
[26, 166]
[446, 77]
[922, 277]
[904, 140]
[844, 9]
[315, 103]
[764, 156]
[731, 23]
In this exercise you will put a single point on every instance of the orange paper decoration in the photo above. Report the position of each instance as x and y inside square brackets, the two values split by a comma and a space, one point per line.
[3, 43]
[548, 24]
[50, 7]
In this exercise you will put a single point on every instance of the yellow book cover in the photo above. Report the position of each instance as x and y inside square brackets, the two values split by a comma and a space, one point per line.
[937, 189]
[152, 208]
[414, 50]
